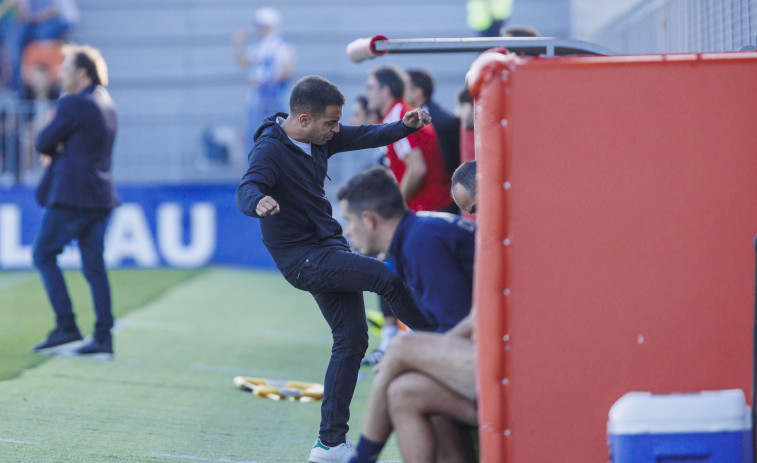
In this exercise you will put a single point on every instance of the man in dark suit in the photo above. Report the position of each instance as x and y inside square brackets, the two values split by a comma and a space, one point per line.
[77, 194]
[418, 94]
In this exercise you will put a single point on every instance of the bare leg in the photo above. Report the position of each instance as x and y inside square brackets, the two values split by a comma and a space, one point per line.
[378, 426]
[419, 352]
[413, 397]
[448, 359]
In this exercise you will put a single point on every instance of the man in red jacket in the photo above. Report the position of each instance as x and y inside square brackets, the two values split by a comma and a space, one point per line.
[416, 161]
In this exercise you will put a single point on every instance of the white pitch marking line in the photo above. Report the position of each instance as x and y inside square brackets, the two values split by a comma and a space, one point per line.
[125, 323]
[193, 458]
[14, 441]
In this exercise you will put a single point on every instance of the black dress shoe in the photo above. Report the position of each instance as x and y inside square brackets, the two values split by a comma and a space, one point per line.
[57, 338]
[97, 349]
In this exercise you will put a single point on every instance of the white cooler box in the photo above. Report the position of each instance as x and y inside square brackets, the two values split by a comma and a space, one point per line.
[710, 426]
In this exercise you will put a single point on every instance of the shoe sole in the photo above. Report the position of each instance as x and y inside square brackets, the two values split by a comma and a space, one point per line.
[330, 460]
[60, 349]
[69, 350]
[327, 459]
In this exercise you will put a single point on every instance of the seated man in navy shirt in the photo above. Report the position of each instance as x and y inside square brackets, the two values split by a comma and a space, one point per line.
[431, 251]
[424, 387]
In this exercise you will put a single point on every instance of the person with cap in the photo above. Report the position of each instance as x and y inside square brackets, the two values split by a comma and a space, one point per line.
[271, 63]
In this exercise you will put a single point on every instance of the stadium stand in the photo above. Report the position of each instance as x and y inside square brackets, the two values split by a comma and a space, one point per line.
[173, 72]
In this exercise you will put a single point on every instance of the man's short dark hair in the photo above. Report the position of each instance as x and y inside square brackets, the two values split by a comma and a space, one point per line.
[390, 76]
[374, 189]
[423, 80]
[312, 94]
[91, 60]
[465, 175]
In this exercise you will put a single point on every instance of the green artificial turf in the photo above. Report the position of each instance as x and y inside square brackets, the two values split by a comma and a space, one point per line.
[168, 396]
[27, 317]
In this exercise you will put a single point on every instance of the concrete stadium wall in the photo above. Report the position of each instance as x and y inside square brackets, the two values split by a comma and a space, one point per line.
[173, 71]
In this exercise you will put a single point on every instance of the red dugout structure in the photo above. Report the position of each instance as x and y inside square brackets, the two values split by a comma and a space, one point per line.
[617, 206]
[617, 201]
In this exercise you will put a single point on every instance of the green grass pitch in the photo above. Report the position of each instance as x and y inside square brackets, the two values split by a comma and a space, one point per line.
[181, 336]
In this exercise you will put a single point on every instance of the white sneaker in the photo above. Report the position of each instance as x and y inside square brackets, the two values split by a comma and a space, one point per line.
[338, 454]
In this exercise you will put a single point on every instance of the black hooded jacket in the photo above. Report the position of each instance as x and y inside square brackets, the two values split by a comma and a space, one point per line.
[280, 169]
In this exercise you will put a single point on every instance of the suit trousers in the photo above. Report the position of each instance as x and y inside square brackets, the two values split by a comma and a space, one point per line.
[59, 227]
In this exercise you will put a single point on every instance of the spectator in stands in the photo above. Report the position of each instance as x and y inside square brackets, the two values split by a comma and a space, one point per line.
[283, 186]
[418, 93]
[39, 87]
[464, 187]
[46, 24]
[416, 161]
[271, 64]
[424, 389]
[10, 41]
[433, 253]
[47, 19]
[46, 54]
[77, 193]
[486, 17]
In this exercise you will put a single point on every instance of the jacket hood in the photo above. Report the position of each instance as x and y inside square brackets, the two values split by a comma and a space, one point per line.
[270, 128]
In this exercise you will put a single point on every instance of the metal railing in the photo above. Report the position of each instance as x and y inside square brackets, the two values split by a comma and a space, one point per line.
[682, 26]
[20, 120]
[372, 47]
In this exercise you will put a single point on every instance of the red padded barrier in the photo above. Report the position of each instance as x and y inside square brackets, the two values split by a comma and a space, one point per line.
[630, 211]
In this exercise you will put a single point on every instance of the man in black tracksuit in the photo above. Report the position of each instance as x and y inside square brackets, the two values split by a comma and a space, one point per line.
[283, 186]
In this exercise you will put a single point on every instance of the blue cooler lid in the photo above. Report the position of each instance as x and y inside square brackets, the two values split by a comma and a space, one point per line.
[706, 411]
